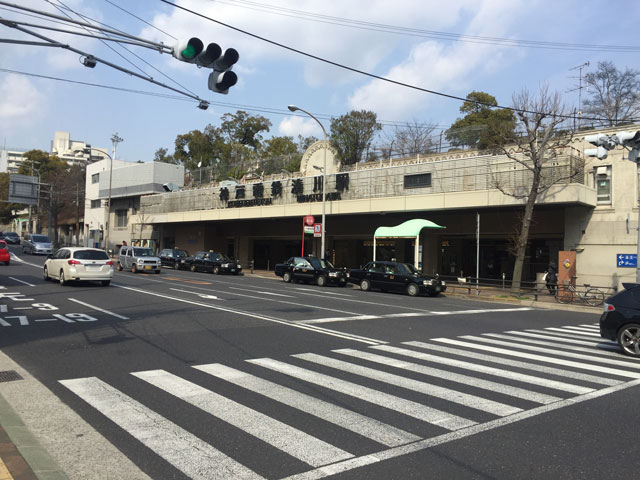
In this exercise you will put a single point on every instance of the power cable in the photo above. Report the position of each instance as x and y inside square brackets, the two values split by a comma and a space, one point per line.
[141, 19]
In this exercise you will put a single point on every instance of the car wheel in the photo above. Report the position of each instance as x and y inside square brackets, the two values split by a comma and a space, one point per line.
[413, 289]
[192, 268]
[287, 277]
[321, 281]
[629, 339]
[134, 269]
[45, 274]
[63, 281]
[105, 283]
[216, 270]
[119, 267]
[176, 265]
[365, 285]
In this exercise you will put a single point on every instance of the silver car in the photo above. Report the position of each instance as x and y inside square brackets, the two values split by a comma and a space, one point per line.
[138, 259]
[38, 244]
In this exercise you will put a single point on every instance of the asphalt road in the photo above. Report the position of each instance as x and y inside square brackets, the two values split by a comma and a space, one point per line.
[192, 375]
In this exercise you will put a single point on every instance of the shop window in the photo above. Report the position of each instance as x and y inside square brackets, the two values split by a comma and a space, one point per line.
[603, 185]
[95, 203]
[121, 218]
[95, 178]
[417, 181]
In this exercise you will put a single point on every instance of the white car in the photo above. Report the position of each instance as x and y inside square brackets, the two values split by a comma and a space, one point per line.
[79, 263]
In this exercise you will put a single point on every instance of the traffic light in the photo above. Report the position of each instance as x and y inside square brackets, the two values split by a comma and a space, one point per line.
[631, 140]
[222, 78]
[188, 50]
[604, 144]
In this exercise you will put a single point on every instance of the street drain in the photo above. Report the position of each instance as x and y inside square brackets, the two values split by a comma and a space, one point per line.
[9, 376]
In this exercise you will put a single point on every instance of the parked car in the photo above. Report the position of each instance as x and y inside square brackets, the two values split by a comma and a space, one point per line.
[170, 257]
[620, 320]
[34, 243]
[12, 238]
[138, 259]
[312, 270]
[396, 277]
[5, 257]
[211, 262]
[79, 263]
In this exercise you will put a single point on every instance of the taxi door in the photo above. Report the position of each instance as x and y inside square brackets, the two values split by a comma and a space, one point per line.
[303, 270]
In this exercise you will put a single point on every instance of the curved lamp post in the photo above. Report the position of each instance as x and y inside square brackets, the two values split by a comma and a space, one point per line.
[293, 108]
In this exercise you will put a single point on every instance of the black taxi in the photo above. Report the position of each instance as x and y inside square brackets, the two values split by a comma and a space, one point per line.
[311, 270]
[396, 277]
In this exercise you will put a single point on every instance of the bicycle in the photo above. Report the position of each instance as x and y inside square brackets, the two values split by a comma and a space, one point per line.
[591, 296]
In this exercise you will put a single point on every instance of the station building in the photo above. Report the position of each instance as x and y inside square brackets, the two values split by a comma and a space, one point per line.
[592, 210]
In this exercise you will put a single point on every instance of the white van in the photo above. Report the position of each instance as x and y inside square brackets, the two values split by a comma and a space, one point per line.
[138, 259]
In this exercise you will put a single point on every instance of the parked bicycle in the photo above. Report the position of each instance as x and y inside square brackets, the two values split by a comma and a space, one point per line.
[591, 296]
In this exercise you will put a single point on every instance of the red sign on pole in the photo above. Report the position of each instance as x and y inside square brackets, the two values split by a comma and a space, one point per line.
[317, 229]
[308, 220]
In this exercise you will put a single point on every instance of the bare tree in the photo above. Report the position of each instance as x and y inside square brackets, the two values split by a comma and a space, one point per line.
[412, 139]
[615, 94]
[537, 149]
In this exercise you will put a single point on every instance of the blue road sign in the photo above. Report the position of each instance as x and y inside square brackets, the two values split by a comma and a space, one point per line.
[627, 260]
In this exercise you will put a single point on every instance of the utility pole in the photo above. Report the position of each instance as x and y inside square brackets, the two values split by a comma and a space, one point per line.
[115, 139]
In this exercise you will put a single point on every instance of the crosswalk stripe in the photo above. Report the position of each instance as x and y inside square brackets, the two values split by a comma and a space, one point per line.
[595, 328]
[367, 427]
[455, 377]
[573, 332]
[454, 396]
[562, 340]
[580, 328]
[296, 443]
[604, 350]
[590, 340]
[186, 452]
[517, 363]
[498, 372]
[408, 407]
[557, 361]
[561, 352]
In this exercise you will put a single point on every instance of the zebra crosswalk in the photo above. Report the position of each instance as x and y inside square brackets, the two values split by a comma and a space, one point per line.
[397, 399]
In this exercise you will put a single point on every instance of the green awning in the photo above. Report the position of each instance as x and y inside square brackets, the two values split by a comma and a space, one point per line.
[408, 229]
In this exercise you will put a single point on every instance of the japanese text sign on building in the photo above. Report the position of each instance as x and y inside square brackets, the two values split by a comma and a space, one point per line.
[627, 260]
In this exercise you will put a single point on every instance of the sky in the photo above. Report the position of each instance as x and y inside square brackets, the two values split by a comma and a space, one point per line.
[452, 47]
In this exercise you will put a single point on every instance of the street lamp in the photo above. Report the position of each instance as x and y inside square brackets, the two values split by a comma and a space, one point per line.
[87, 150]
[293, 108]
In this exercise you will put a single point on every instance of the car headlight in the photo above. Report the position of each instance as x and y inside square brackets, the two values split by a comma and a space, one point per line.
[225, 265]
[427, 282]
[239, 266]
[444, 284]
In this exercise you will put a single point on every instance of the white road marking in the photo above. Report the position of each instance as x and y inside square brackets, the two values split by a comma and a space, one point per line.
[602, 350]
[121, 317]
[554, 334]
[338, 319]
[464, 379]
[573, 332]
[348, 336]
[477, 311]
[408, 407]
[296, 443]
[22, 281]
[396, 452]
[516, 363]
[557, 361]
[588, 331]
[561, 351]
[347, 419]
[453, 396]
[571, 340]
[192, 456]
[275, 294]
[331, 293]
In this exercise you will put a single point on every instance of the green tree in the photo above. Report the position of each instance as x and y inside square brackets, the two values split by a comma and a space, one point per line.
[245, 129]
[162, 157]
[352, 134]
[280, 153]
[615, 94]
[483, 127]
[7, 210]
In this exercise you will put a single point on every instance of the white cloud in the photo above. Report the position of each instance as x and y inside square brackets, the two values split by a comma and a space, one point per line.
[293, 126]
[21, 102]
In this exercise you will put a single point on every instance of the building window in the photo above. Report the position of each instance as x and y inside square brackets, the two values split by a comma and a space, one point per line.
[603, 185]
[417, 181]
[95, 203]
[95, 178]
[121, 218]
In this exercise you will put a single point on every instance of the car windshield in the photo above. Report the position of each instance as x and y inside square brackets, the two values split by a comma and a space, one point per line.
[11, 234]
[41, 239]
[411, 269]
[91, 255]
[181, 253]
[320, 263]
[142, 252]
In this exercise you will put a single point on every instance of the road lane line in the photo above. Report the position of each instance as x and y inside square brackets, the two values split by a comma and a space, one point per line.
[413, 409]
[456, 377]
[367, 427]
[338, 319]
[292, 441]
[331, 293]
[189, 454]
[121, 317]
[542, 358]
[471, 401]
[22, 281]
[325, 331]
[396, 452]
[516, 363]
[596, 356]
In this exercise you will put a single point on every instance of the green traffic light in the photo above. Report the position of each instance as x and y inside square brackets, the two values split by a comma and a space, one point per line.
[189, 52]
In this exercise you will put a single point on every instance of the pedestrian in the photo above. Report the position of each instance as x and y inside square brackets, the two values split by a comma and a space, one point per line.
[551, 278]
